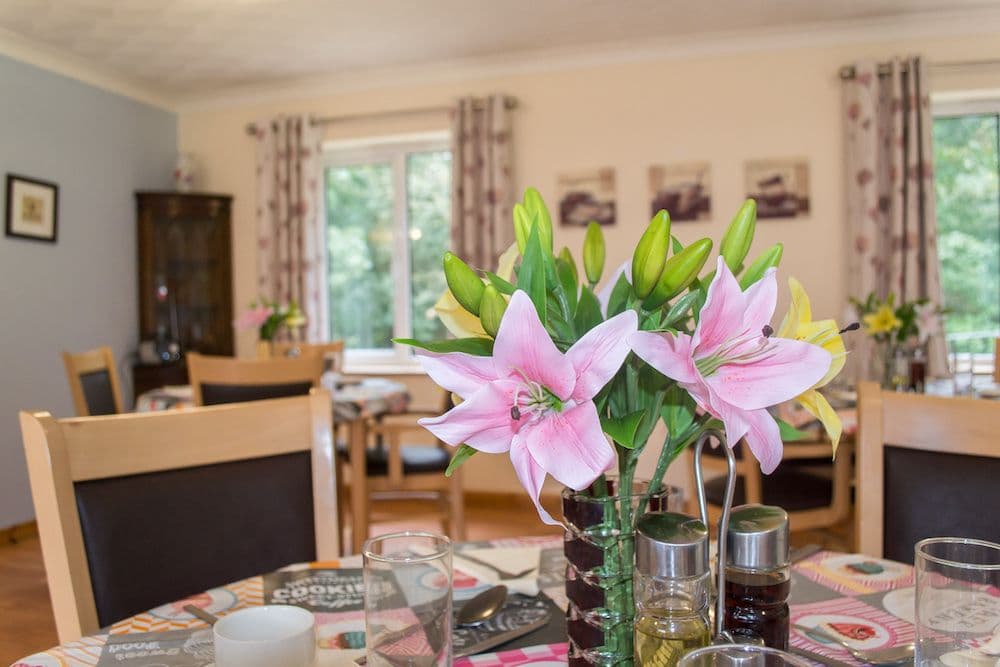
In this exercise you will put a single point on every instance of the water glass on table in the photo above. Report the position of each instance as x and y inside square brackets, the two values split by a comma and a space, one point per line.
[957, 602]
[408, 588]
[740, 655]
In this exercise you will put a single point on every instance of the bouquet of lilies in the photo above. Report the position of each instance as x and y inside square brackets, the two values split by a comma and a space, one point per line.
[270, 317]
[569, 375]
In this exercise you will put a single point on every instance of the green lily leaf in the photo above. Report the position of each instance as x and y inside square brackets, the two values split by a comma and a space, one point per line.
[678, 412]
[463, 454]
[622, 429]
[481, 347]
[566, 273]
[675, 244]
[588, 312]
[789, 433]
[619, 296]
[678, 310]
[531, 277]
[501, 285]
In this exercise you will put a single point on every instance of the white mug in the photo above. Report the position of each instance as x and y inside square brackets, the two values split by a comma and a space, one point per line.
[265, 637]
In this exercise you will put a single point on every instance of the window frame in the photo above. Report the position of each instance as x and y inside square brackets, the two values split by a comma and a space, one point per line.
[957, 105]
[392, 150]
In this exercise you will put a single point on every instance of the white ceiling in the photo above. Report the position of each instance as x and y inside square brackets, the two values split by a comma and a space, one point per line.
[193, 47]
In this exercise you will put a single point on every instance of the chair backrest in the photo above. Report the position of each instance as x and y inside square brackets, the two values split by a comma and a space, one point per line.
[927, 467]
[140, 510]
[217, 380]
[93, 381]
[332, 352]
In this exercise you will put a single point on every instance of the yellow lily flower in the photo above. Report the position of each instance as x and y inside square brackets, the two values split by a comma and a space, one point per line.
[798, 325]
[883, 320]
[460, 322]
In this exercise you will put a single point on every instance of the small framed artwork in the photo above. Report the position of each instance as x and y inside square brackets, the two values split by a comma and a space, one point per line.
[781, 187]
[682, 190]
[32, 208]
[587, 195]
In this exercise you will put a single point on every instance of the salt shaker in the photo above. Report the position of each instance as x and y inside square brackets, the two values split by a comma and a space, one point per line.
[672, 588]
[758, 575]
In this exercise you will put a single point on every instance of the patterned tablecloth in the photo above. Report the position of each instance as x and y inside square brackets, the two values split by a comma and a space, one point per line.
[370, 397]
[868, 601]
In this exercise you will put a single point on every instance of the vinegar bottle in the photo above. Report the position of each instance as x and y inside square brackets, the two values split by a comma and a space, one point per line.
[758, 575]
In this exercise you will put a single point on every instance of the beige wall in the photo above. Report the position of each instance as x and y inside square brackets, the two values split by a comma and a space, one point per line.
[723, 109]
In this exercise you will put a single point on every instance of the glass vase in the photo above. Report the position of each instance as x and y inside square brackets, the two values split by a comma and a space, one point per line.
[599, 548]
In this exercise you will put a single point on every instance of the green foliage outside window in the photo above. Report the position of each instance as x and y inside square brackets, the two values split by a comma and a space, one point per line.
[966, 175]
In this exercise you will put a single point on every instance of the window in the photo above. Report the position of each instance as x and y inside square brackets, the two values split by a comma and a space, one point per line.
[388, 212]
[967, 176]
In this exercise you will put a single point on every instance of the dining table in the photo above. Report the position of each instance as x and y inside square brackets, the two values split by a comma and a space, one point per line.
[355, 405]
[867, 601]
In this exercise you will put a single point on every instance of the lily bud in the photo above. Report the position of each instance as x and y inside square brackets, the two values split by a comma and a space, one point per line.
[539, 211]
[522, 226]
[463, 282]
[650, 255]
[739, 235]
[678, 272]
[766, 260]
[491, 310]
[593, 253]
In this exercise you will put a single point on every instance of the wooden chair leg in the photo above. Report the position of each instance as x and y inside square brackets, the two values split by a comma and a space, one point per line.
[456, 512]
[342, 507]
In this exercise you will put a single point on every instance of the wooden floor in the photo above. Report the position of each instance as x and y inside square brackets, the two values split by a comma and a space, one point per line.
[26, 624]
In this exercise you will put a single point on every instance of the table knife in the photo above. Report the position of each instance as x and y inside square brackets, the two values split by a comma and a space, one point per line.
[504, 637]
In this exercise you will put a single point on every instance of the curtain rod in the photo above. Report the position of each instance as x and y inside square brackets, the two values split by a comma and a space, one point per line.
[885, 69]
[509, 103]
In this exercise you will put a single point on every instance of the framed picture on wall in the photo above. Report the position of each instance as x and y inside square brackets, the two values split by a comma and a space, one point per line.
[587, 195]
[781, 187]
[682, 190]
[32, 208]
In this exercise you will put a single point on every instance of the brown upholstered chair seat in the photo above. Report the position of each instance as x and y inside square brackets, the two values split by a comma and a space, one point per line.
[790, 487]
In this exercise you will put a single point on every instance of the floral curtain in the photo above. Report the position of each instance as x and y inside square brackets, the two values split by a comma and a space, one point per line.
[890, 191]
[482, 182]
[289, 229]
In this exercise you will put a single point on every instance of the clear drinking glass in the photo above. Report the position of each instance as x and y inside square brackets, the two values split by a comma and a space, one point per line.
[740, 655]
[408, 599]
[957, 602]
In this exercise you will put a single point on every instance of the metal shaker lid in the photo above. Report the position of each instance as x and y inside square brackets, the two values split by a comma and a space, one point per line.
[757, 537]
[672, 545]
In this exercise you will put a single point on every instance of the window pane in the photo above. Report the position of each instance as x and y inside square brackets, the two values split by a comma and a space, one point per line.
[359, 243]
[966, 172]
[428, 184]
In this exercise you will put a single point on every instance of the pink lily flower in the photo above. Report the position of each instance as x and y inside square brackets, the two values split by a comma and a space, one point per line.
[732, 367]
[532, 400]
[253, 317]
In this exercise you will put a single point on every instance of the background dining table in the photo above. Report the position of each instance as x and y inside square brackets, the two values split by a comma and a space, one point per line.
[868, 601]
[355, 404]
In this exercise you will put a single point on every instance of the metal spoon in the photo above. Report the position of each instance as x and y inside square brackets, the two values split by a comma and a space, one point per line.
[879, 656]
[482, 607]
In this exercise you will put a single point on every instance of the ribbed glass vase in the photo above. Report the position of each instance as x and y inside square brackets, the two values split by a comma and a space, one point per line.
[599, 565]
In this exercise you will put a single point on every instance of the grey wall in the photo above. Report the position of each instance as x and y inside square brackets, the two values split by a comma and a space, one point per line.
[81, 292]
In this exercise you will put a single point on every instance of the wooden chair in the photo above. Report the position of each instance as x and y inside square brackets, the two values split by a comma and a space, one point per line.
[927, 467]
[218, 380]
[144, 509]
[996, 360]
[332, 352]
[812, 500]
[93, 381]
[398, 469]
